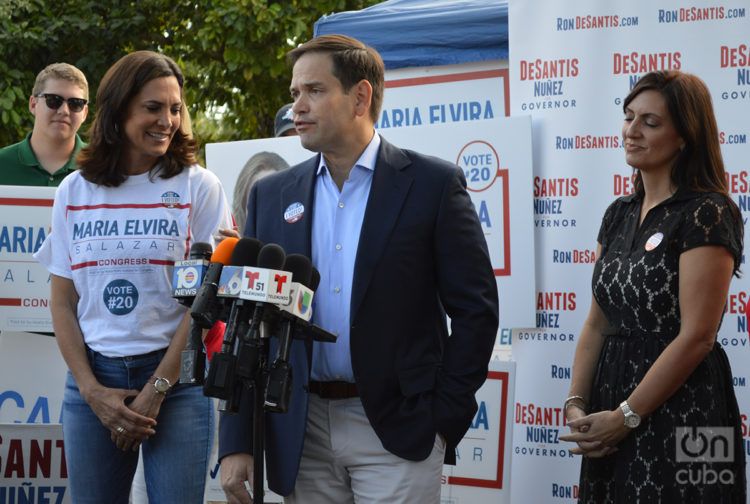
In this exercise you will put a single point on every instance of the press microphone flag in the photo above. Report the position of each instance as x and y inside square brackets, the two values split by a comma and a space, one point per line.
[187, 275]
[265, 285]
[302, 290]
[245, 254]
[230, 281]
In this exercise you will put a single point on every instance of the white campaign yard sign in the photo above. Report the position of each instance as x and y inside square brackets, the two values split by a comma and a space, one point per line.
[25, 214]
[483, 457]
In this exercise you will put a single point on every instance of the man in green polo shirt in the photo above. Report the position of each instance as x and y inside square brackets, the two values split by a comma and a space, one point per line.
[59, 104]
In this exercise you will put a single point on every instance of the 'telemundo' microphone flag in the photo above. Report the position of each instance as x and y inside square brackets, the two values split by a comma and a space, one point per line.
[266, 285]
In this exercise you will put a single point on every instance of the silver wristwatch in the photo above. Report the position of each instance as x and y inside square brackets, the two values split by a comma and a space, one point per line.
[632, 419]
[161, 385]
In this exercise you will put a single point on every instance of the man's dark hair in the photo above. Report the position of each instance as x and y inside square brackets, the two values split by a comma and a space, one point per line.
[352, 60]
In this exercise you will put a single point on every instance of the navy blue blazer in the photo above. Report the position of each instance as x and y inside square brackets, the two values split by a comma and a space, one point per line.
[421, 255]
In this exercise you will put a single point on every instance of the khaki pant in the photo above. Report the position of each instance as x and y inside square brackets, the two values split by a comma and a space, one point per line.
[343, 461]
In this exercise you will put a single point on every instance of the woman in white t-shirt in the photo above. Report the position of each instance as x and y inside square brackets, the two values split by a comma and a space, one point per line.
[137, 204]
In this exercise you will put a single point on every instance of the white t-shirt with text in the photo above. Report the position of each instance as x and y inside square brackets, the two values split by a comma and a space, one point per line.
[118, 245]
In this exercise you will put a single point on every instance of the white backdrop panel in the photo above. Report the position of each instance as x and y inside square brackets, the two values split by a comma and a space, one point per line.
[571, 64]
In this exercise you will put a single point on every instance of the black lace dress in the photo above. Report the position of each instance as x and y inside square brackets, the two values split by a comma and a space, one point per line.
[636, 284]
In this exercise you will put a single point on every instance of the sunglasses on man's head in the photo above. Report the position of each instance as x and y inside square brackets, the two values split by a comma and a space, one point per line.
[54, 102]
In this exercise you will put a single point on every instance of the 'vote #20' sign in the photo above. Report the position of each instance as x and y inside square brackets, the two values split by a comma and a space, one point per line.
[487, 184]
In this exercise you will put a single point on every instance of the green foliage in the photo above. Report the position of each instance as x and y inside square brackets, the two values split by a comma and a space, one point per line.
[231, 51]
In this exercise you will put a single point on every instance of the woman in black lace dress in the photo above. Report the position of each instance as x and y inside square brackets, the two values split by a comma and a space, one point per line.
[651, 386]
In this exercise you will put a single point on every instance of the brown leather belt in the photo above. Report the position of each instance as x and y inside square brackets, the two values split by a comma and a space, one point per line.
[334, 389]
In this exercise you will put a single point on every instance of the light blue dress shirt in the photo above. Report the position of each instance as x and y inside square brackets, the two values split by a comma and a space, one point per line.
[337, 222]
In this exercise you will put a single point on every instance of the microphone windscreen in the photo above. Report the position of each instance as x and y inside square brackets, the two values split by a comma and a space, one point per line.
[200, 250]
[246, 252]
[314, 280]
[223, 252]
[271, 256]
[300, 267]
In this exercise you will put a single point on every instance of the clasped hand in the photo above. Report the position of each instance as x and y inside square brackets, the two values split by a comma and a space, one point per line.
[597, 434]
[129, 422]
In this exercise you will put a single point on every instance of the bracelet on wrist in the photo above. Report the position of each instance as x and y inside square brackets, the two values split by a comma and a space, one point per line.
[575, 400]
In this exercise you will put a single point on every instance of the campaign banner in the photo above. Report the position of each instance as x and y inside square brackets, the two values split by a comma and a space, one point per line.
[25, 215]
[571, 65]
[496, 163]
[32, 464]
[451, 94]
[543, 468]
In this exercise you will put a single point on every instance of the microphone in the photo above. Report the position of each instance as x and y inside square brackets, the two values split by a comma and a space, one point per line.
[245, 254]
[187, 276]
[311, 330]
[279, 388]
[220, 380]
[262, 284]
[204, 311]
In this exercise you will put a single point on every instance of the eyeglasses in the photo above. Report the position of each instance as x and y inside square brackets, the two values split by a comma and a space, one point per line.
[54, 102]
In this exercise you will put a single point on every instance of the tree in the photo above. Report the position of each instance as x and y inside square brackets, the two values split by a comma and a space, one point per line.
[231, 51]
[35, 33]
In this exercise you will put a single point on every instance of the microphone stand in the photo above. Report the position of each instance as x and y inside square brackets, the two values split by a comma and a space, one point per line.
[258, 385]
[259, 422]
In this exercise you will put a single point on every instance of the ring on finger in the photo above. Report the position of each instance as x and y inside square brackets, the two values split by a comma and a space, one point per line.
[120, 429]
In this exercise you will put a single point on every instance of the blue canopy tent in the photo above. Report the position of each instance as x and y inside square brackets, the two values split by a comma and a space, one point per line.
[418, 33]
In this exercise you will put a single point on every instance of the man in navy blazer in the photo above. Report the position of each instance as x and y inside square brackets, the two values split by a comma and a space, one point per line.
[399, 246]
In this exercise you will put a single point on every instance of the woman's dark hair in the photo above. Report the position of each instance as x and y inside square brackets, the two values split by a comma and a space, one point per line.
[699, 165]
[101, 161]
